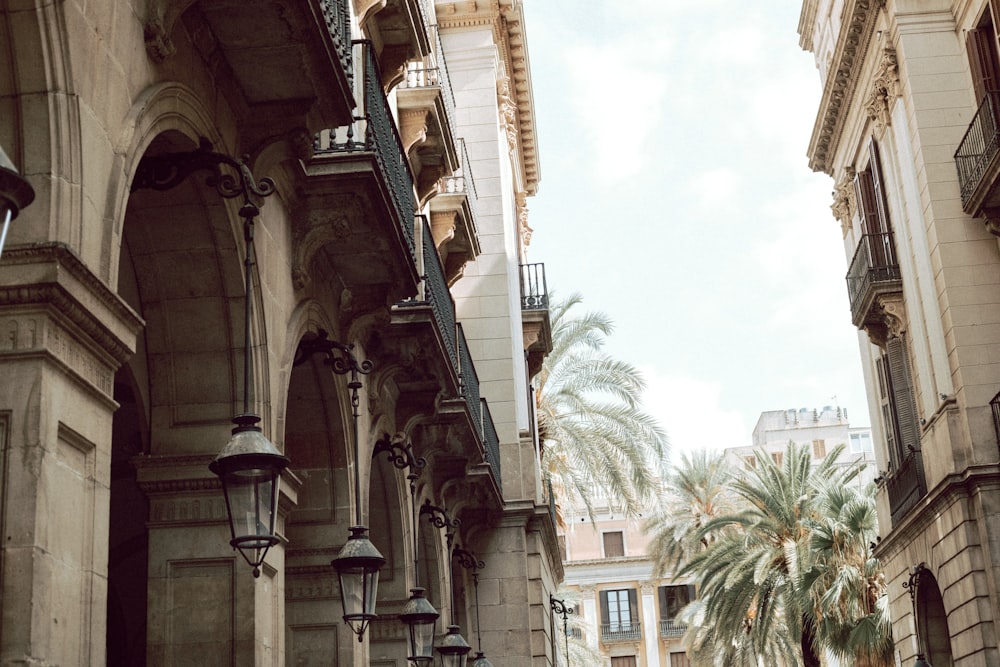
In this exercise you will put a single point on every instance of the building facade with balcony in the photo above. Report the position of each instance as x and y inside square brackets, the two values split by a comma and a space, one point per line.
[623, 612]
[400, 139]
[907, 130]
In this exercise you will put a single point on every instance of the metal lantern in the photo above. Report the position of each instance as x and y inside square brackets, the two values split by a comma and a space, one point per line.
[420, 617]
[15, 194]
[453, 649]
[249, 467]
[480, 660]
[357, 568]
[921, 661]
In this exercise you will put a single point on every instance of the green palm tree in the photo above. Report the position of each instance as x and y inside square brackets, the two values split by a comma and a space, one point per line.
[696, 491]
[594, 434]
[846, 583]
[754, 594]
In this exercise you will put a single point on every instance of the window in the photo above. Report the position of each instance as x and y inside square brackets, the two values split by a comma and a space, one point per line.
[981, 46]
[673, 599]
[614, 544]
[861, 443]
[819, 449]
[777, 456]
[619, 614]
[899, 407]
[750, 461]
[623, 661]
[679, 660]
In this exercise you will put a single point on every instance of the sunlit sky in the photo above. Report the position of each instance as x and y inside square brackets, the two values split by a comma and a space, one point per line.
[676, 197]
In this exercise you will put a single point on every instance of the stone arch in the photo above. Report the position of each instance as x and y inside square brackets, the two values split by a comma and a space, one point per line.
[932, 622]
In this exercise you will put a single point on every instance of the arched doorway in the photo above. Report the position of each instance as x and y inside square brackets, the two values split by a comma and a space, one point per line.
[932, 622]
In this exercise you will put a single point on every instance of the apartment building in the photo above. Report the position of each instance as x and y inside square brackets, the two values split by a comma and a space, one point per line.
[820, 430]
[624, 613]
[907, 130]
[308, 219]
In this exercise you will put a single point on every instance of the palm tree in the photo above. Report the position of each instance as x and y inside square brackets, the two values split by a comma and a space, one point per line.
[695, 493]
[594, 433]
[846, 583]
[754, 596]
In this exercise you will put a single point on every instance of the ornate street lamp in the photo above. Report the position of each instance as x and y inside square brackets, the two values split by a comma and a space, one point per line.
[358, 562]
[249, 466]
[15, 193]
[560, 607]
[453, 648]
[418, 613]
[468, 560]
[912, 586]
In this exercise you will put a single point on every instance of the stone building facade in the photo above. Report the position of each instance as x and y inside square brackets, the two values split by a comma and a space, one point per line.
[907, 130]
[400, 138]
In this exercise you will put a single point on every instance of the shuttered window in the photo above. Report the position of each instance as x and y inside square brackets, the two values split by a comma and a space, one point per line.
[673, 599]
[679, 660]
[619, 609]
[819, 449]
[899, 406]
[614, 544]
[623, 661]
[981, 45]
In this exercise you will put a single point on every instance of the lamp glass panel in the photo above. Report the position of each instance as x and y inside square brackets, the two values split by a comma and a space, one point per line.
[422, 640]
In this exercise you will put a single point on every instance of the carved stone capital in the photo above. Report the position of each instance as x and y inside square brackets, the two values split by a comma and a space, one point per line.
[844, 203]
[891, 322]
[885, 90]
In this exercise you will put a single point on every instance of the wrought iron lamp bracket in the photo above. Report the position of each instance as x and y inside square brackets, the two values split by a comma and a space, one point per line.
[400, 455]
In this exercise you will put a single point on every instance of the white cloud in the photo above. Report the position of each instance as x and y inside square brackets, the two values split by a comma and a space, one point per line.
[689, 410]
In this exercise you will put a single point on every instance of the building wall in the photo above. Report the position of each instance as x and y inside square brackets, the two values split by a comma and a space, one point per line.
[901, 75]
[122, 312]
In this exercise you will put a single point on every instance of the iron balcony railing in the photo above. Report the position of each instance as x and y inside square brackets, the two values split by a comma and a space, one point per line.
[620, 632]
[669, 629]
[906, 486]
[979, 146]
[534, 291]
[338, 22]
[995, 407]
[874, 263]
[469, 380]
[374, 131]
[491, 440]
[461, 181]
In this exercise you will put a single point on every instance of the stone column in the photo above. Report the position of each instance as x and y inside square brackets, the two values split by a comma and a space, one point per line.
[650, 631]
[63, 334]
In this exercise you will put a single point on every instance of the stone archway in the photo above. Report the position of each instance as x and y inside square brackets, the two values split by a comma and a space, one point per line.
[932, 622]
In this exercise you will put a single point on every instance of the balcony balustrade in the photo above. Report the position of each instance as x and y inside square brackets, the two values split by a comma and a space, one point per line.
[337, 15]
[620, 632]
[535, 323]
[491, 440]
[374, 132]
[995, 408]
[976, 157]
[534, 291]
[906, 486]
[874, 270]
[670, 629]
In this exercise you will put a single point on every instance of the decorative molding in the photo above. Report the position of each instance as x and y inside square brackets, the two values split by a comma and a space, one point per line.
[891, 322]
[523, 228]
[885, 91]
[852, 44]
[845, 200]
[508, 115]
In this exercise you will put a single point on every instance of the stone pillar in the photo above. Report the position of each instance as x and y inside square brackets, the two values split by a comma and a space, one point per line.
[63, 334]
[650, 631]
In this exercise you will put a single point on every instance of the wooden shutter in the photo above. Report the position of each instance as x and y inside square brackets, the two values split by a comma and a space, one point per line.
[878, 184]
[980, 44]
[604, 608]
[904, 402]
[664, 605]
[888, 413]
[614, 544]
[864, 190]
[633, 608]
[692, 593]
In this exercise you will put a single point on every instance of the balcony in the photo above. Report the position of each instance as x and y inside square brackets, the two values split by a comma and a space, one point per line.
[620, 632]
[281, 65]
[355, 225]
[874, 271]
[671, 630]
[536, 327]
[995, 408]
[454, 217]
[906, 486]
[977, 159]
[426, 105]
[399, 27]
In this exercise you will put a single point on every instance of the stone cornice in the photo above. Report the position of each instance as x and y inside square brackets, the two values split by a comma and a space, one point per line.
[860, 17]
[950, 490]
[51, 273]
[506, 19]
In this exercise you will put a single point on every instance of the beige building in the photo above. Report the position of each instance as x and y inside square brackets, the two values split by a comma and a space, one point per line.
[908, 130]
[400, 139]
[819, 430]
[623, 612]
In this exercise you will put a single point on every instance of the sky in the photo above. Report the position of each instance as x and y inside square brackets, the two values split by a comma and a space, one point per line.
[676, 197]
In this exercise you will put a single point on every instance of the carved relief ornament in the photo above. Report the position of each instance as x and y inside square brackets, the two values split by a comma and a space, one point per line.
[892, 320]
[844, 202]
[885, 90]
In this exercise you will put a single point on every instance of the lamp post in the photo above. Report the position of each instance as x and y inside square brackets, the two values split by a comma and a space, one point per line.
[15, 193]
[560, 607]
[418, 613]
[249, 465]
[468, 560]
[453, 648]
[912, 586]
